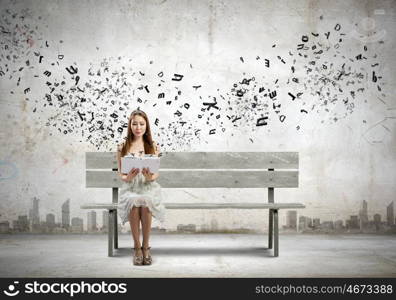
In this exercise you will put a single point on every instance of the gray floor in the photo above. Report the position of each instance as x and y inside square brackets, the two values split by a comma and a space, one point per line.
[200, 255]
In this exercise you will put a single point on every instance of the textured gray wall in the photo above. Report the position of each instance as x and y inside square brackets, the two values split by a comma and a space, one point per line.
[335, 107]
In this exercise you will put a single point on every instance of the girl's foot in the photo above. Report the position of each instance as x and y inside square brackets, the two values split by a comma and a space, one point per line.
[147, 260]
[138, 256]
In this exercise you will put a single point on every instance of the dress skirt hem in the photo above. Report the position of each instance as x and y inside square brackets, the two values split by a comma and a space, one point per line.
[139, 193]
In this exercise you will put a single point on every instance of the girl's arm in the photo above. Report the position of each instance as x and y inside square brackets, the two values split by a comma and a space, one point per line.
[157, 150]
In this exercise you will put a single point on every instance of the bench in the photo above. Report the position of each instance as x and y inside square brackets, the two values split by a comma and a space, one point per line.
[204, 170]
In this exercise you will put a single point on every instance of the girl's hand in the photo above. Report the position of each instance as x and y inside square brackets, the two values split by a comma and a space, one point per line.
[131, 175]
[147, 174]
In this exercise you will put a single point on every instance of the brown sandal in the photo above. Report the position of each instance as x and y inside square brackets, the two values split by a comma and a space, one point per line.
[147, 260]
[137, 259]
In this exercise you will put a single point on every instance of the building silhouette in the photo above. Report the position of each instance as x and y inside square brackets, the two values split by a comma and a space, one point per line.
[315, 223]
[5, 227]
[77, 225]
[50, 219]
[186, 228]
[304, 223]
[34, 214]
[66, 214]
[390, 217]
[91, 221]
[22, 224]
[291, 219]
[377, 222]
[327, 225]
[50, 222]
[338, 225]
[105, 220]
[353, 222]
[363, 216]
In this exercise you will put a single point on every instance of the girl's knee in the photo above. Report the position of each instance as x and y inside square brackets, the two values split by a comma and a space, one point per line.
[134, 212]
[146, 210]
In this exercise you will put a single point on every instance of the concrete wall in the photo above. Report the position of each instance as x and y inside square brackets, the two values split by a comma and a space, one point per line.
[65, 65]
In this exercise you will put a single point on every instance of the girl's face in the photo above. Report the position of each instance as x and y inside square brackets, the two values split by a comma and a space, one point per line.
[138, 125]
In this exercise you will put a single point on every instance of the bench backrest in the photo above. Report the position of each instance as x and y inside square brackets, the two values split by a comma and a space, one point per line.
[204, 170]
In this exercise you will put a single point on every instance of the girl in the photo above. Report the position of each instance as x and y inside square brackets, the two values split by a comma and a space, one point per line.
[140, 195]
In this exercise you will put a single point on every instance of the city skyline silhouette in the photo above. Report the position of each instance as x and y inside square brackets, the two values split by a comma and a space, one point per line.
[359, 222]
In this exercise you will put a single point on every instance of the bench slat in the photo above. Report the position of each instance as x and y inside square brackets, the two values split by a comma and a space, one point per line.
[99, 206]
[203, 179]
[205, 160]
[206, 205]
[232, 205]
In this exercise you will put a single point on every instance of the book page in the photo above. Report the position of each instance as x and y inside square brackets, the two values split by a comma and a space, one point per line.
[130, 162]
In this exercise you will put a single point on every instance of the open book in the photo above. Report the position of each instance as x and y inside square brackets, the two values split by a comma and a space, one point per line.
[129, 162]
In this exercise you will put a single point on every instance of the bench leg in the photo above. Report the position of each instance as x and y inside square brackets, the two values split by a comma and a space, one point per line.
[115, 220]
[270, 228]
[110, 233]
[276, 233]
[271, 216]
[115, 230]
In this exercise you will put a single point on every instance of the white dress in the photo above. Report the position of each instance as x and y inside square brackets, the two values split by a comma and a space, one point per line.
[139, 193]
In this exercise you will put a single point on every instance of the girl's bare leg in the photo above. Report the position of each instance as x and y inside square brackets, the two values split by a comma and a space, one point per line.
[146, 218]
[134, 222]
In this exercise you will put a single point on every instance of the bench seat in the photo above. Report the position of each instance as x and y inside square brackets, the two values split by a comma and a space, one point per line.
[206, 205]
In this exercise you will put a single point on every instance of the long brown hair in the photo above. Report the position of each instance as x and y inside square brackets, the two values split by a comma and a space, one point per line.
[147, 139]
